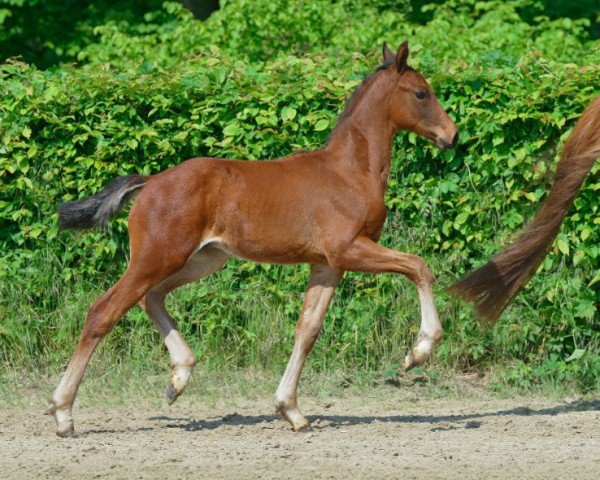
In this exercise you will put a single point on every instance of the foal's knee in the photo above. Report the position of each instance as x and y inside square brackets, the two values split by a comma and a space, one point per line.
[423, 275]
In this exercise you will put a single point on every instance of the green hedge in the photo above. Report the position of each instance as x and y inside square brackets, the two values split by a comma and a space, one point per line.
[459, 30]
[64, 133]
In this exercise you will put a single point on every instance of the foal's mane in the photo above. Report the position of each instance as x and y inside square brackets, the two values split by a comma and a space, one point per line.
[358, 93]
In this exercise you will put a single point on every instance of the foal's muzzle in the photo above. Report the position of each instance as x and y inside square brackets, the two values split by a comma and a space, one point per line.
[447, 145]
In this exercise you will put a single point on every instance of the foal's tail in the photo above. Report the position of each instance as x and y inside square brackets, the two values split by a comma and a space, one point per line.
[97, 209]
[492, 286]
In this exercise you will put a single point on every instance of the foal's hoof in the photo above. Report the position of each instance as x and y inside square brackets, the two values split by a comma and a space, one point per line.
[172, 394]
[300, 425]
[420, 353]
[180, 376]
[413, 360]
[63, 418]
[410, 362]
[294, 417]
[66, 431]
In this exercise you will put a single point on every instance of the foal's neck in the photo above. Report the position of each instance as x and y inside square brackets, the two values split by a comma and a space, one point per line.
[362, 140]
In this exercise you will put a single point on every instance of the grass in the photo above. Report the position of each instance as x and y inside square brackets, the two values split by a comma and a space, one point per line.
[115, 384]
[241, 320]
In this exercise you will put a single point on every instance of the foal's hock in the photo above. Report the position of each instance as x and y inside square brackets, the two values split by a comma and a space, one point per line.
[325, 208]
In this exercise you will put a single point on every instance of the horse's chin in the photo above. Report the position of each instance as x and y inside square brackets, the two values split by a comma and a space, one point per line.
[442, 144]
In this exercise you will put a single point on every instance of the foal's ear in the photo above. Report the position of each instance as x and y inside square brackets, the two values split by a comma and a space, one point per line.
[402, 57]
[388, 55]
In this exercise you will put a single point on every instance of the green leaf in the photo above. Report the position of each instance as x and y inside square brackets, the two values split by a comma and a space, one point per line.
[461, 218]
[563, 246]
[321, 125]
[576, 355]
[231, 130]
[585, 233]
[586, 309]
[288, 113]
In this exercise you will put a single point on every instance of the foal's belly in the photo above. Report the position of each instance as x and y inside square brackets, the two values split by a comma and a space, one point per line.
[269, 250]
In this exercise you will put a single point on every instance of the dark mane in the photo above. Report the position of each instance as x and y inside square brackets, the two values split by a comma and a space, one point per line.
[351, 103]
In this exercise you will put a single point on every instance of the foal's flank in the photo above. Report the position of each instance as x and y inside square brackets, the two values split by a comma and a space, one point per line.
[325, 208]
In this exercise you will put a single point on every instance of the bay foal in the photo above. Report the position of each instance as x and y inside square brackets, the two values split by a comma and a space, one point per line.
[325, 208]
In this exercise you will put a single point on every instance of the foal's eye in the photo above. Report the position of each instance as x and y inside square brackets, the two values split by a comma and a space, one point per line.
[421, 95]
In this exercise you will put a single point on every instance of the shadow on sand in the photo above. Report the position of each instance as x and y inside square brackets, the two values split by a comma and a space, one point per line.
[469, 420]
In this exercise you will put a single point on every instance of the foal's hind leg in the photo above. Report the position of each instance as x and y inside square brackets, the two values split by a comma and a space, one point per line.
[102, 316]
[323, 281]
[203, 263]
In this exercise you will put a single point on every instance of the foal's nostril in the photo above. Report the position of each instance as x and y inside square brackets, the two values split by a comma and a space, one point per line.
[454, 140]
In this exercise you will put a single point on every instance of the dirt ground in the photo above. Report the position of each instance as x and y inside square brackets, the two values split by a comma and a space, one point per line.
[353, 437]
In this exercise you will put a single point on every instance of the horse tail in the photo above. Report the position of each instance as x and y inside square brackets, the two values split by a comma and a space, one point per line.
[97, 209]
[492, 286]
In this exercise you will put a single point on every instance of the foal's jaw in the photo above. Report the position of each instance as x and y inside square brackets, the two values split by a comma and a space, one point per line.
[444, 137]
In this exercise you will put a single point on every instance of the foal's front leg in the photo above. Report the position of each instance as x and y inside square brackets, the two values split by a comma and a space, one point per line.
[323, 281]
[364, 255]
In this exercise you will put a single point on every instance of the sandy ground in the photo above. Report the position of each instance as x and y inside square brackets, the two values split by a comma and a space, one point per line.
[353, 437]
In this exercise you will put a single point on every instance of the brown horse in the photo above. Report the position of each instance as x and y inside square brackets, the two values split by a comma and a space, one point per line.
[325, 208]
[492, 286]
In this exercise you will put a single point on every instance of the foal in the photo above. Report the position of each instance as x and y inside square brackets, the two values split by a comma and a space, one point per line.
[325, 208]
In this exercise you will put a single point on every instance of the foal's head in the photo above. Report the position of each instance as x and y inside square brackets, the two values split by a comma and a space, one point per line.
[413, 105]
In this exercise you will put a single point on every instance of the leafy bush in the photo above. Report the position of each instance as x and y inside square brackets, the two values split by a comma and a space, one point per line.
[461, 30]
[46, 33]
[234, 86]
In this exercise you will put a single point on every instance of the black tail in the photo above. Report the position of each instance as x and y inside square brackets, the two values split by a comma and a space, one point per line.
[97, 209]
